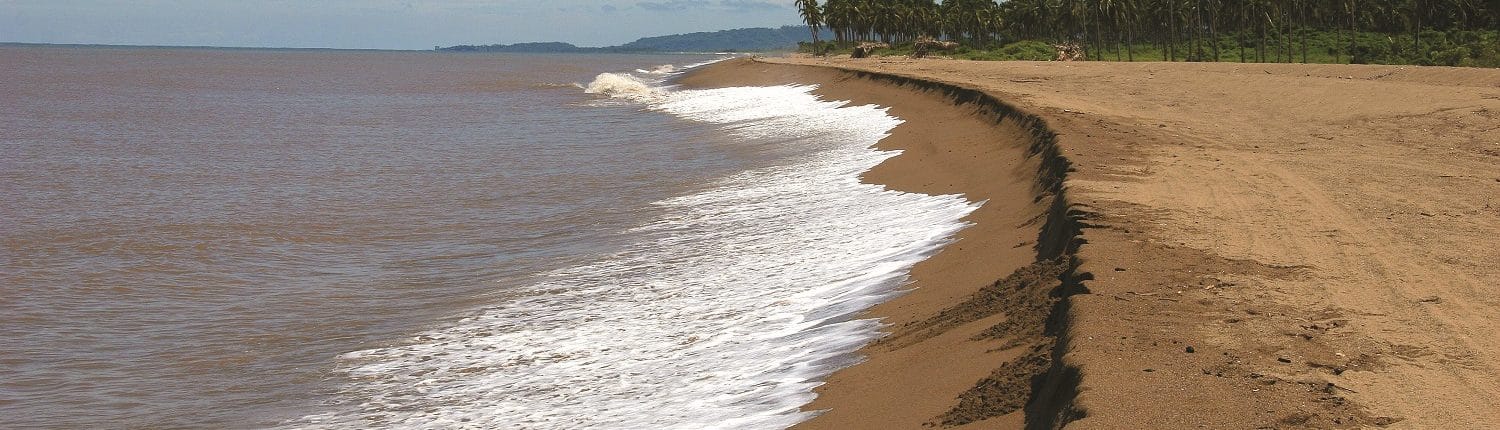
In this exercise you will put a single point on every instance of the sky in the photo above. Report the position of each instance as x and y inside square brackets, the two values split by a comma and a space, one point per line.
[375, 24]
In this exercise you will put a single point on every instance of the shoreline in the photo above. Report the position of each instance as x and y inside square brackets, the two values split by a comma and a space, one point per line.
[1263, 245]
[987, 151]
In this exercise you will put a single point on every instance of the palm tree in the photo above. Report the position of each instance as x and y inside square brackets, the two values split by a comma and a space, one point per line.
[1181, 29]
[836, 15]
[813, 16]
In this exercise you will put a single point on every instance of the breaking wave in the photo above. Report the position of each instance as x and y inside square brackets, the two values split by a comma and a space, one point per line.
[659, 70]
[723, 313]
[623, 86]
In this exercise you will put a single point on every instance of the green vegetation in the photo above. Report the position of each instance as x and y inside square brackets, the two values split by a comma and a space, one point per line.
[1452, 48]
[739, 40]
[1026, 50]
[1427, 32]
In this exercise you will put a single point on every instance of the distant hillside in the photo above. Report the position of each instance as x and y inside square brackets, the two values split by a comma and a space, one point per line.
[739, 40]
[521, 47]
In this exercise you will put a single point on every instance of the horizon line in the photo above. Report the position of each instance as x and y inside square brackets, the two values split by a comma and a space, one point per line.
[127, 45]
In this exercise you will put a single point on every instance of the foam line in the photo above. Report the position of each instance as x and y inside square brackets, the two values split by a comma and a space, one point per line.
[725, 313]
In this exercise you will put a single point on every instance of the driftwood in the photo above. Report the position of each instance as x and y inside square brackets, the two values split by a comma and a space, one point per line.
[1069, 52]
[924, 45]
[866, 48]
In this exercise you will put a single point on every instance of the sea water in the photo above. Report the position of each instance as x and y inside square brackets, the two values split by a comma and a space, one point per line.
[327, 239]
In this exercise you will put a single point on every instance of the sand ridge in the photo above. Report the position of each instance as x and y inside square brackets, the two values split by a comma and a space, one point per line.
[1270, 246]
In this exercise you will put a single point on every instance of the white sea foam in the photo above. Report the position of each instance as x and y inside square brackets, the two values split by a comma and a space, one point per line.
[644, 88]
[623, 85]
[707, 62]
[659, 70]
[725, 314]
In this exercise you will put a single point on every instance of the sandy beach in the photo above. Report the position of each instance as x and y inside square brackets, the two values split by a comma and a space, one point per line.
[1181, 245]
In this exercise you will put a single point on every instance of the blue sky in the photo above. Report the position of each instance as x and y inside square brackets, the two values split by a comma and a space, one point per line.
[381, 24]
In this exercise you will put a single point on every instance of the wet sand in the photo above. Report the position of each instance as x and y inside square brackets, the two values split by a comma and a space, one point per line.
[1232, 245]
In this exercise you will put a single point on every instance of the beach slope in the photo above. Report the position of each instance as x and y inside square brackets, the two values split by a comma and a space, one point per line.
[1183, 245]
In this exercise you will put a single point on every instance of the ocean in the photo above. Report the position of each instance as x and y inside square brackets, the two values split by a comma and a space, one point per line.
[216, 238]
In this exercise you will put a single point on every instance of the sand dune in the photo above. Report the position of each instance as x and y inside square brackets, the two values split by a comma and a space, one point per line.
[1261, 245]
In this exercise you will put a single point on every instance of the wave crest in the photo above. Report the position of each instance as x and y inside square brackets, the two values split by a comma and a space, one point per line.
[723, 312]
[622, 85]
[665, 69]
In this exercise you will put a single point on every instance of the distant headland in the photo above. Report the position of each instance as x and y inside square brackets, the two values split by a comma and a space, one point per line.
[784, 38]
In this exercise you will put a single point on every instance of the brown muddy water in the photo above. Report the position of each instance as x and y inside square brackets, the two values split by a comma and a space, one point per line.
[188, 237]
[208, 238]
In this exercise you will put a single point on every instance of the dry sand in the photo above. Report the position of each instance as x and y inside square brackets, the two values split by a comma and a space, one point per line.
[1257, 245]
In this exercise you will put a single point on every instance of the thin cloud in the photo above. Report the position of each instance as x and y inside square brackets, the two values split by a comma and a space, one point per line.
[745, 5]
[672, 5]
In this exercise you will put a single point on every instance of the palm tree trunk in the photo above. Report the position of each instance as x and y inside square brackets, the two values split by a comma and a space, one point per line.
[1353, 28]
[1197, 33]
[816, 46]
[1172, 32]
[1303, 18]
[1119, 40]
[1340, 44]
[1213, 33]
[1241, 34]
[1260, 54]
[1416, 34]
[1099, 39]
[1286, 17]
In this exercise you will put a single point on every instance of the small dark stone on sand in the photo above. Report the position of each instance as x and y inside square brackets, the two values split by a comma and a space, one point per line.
[1148, 370]
[1119, 269]
[1190, 349]
[1284, 359]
